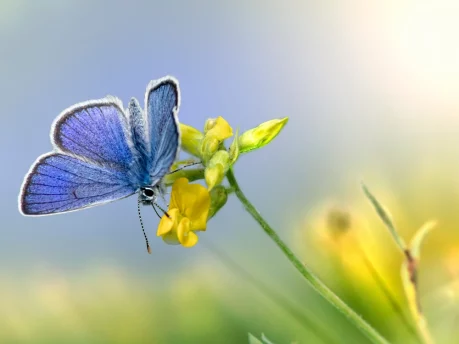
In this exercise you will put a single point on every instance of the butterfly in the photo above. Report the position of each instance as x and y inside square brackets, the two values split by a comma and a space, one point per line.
[103, 153]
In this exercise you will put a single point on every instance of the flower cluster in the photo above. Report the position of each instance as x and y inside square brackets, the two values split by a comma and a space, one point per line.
[192, 205]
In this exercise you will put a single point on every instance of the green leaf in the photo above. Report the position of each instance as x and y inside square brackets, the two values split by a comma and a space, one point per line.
[192, 174]
[385, 218]
[409, 275]
[418, 238]
[254, 340]
[410, 290]
[265, 340]
[218, 198]
[234, 148]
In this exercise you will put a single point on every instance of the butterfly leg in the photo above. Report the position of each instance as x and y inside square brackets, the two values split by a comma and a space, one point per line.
[185, 166]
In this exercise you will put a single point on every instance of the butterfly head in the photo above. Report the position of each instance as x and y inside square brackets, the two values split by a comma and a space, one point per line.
[148, 194]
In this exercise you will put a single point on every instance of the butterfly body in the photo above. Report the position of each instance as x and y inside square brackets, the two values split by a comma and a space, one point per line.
[103, 152]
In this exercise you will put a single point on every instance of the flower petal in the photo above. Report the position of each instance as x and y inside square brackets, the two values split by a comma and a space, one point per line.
[199, 212]
[178, 189]
[167, 224]
[171, 238]
[184, 234]
[221, 129]
[191, 201]
[190, 139]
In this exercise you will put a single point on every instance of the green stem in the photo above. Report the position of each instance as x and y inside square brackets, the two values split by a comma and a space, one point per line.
[313, 280]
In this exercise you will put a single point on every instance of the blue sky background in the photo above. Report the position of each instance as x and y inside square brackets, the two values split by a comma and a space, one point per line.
[246, 62]
[321, 65]
[334, 70]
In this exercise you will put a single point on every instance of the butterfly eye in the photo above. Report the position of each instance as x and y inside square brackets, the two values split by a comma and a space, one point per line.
[148, 192]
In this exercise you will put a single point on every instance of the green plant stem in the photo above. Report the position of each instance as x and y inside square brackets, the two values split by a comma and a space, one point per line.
[313, 280]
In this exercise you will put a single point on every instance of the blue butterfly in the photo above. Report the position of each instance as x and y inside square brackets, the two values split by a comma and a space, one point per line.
[103, 153]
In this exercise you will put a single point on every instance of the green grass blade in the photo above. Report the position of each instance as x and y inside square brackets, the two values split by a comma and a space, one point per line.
[385, 218]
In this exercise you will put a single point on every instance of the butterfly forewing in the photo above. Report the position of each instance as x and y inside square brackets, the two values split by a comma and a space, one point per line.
[59, 183]
[162, 105]
[95, 130]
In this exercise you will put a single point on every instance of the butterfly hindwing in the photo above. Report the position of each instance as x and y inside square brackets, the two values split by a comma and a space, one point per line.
[137, 124]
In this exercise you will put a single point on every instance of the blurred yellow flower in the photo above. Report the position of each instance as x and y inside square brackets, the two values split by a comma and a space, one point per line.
[335, 227]
[188, 211]
[334, 232]
[338, 221]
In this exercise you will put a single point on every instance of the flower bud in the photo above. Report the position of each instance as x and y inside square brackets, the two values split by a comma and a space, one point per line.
[262, 135]
[217, 130]
[216, 168]
[209, 147]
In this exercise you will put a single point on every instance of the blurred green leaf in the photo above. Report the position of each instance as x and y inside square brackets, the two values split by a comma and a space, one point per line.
[385, 217]
[409, 275]
[415, 244]
[265, 340]
[410, 289]
[254, 340]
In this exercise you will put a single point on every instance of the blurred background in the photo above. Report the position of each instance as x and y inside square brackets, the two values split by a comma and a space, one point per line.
[371, 89]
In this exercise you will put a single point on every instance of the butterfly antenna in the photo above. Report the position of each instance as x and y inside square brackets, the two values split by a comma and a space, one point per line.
[143, 229]
[153, 205]
[185, 166]
[165, 212]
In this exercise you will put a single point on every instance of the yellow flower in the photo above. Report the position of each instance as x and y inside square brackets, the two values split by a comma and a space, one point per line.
[216, 131]
[218, 128]
[188, 211]
[190, 139]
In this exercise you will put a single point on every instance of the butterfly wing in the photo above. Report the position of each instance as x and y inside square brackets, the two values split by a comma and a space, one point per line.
[93, 163]
[162, 101]
[95, 130]
[137, 125]
[60, 183]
